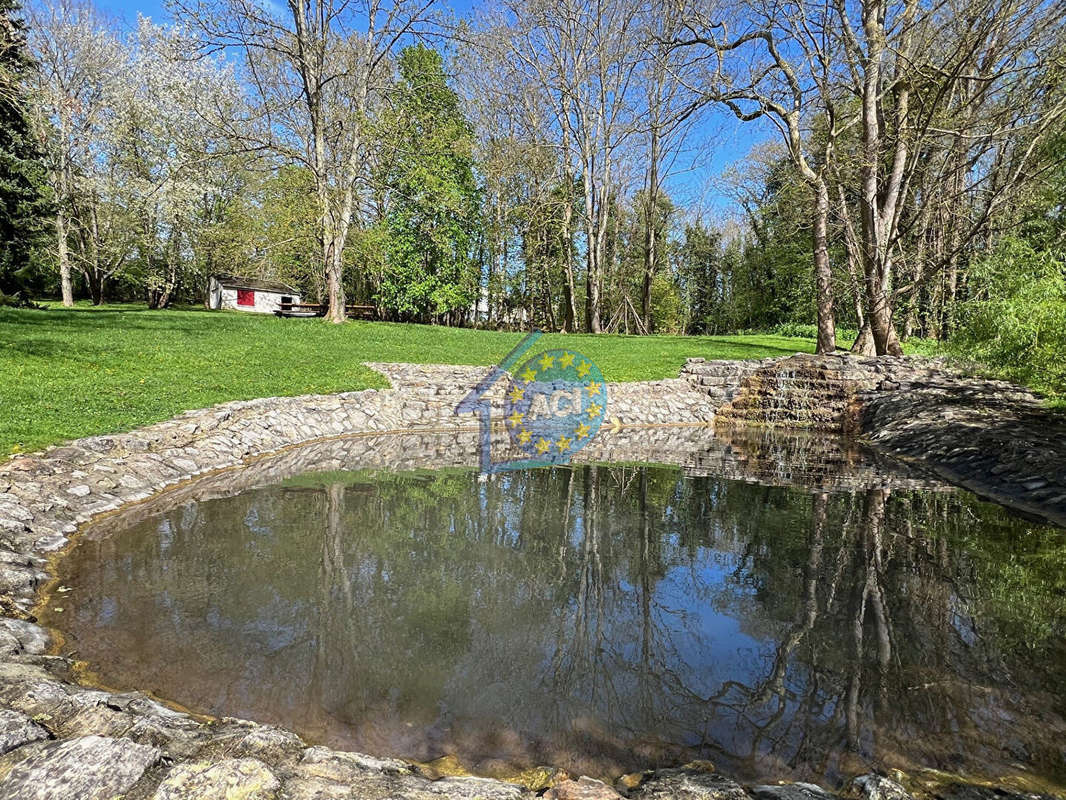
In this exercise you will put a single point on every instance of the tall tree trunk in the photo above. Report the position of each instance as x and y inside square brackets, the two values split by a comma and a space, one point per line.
[879, 203]
[886, 341]
[332, 254]
[823, 273]
[567, 243]
[542, 240]
[592, 283]
[877, 303]
[172, 274]
[568, 263]
[494, 251]
[65, 282]
[864, 341]
[595, 233]
[650, 221]
[95, 281]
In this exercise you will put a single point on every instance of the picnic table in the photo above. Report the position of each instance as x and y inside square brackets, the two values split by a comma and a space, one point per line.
[300, 310]
[320, 309]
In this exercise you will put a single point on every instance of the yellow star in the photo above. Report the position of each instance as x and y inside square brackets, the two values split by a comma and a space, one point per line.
[566, 360]
[594, 410]
[528, 375]
[563, 443]
[543, 445]
[517, 393]
[593, 388]
[515, 418]
[546, 362]
[582, 430]
[524, 437]
[583, 368]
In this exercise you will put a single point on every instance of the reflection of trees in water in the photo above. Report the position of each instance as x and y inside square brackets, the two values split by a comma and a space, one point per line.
[888, 659]
[603, 617]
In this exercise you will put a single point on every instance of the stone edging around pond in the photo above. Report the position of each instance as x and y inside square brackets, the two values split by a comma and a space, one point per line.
[991, 437]
[62, 740]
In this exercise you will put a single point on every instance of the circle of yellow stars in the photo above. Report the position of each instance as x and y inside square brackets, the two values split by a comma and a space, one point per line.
[593, 412]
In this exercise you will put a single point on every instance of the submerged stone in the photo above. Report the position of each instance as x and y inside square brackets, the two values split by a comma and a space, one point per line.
[537, 779]
[445, 766]
[878, 787]
[682, 784]
[791, 791]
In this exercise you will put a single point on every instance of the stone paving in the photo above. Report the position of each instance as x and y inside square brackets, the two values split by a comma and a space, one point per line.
[59, 739]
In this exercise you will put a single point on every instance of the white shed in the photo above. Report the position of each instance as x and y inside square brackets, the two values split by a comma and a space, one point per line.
[249, 294]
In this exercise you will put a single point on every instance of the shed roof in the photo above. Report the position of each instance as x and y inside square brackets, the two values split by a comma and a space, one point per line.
[257, 284]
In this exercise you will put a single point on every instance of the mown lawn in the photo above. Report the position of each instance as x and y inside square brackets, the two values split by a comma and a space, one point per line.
[71, 373]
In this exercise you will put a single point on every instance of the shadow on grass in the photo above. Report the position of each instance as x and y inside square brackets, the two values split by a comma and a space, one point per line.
[33, 347]
[759, 348]
[91, 320]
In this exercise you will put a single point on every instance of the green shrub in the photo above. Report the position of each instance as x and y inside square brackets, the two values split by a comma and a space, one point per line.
[1015, 320]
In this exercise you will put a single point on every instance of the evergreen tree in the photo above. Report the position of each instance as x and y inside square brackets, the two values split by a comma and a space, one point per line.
[432, 217]
[703, 279]
[23, 178]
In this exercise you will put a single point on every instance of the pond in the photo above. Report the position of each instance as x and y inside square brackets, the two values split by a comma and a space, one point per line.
[598, 618]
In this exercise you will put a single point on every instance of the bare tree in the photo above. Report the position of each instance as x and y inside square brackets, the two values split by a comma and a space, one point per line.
[315, 71]
[584, 59]
[935, 101]
[79, 73]
[966, 78]
[783, 56]
[527, 180]
[669, 114]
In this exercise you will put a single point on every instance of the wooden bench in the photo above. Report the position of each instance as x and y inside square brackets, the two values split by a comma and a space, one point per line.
[361, 312]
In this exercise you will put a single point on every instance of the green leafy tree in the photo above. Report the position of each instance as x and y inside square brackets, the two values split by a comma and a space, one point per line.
[432, 213]
[24, 197]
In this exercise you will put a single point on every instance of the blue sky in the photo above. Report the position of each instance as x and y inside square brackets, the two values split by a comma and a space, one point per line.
[721, 139]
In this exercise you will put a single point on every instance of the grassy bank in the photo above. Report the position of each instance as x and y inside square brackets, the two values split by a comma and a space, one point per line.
[71, 373]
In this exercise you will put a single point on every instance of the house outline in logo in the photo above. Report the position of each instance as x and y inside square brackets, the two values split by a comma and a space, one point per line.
[555, 403]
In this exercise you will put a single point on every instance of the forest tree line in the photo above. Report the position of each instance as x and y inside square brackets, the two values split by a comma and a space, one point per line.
[517, 167]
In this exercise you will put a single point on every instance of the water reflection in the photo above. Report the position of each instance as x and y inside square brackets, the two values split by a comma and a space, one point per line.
[597, 618]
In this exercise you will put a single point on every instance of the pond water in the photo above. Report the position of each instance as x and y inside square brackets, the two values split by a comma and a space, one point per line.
[601, 619]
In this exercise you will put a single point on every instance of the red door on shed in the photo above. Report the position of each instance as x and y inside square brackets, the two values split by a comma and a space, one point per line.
[245, 297]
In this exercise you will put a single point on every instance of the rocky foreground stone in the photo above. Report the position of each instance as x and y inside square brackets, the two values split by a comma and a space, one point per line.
[59, 739]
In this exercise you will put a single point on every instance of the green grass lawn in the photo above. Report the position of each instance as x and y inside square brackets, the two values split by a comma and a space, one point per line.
[71, 373]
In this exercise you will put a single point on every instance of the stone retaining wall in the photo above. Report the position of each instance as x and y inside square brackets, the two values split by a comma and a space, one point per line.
[992, 437]
[818, 392]
[62, 740]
